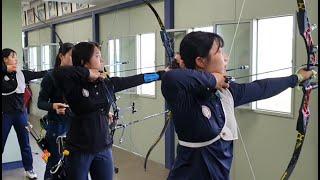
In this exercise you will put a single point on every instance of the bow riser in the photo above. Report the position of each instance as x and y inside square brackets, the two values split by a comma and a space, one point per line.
[167, 43]
[166, 40]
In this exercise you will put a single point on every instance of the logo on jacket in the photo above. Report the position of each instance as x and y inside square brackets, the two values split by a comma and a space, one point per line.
[206, 111]
[6, 78]
[85, 93]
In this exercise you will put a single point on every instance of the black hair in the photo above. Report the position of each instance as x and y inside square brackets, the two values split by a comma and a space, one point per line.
[82, 53]
[64, 49]
[198, 44]
[6, 53]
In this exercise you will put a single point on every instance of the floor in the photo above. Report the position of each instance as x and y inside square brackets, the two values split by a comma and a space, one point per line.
[130, 165]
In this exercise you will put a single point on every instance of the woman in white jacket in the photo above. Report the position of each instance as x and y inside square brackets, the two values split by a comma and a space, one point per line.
[13, 107]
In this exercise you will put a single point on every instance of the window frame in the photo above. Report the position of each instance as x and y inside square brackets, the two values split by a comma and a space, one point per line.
[252, 52]
[199, 27]
[294, 64]
[37, 59]
[138, 65]
[253, 61]
[107, 61]
[42, 54]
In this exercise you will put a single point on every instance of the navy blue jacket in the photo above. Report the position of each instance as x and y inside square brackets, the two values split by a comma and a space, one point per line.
[90, 103]
[49, 94]
[186, 90]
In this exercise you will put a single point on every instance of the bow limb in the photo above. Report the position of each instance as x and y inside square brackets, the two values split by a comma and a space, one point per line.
[307, 86]
[60, 41]
[167, 43]
[166, 40]
[166, 124]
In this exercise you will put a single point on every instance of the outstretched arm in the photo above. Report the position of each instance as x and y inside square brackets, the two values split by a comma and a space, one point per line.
[30, 75]
[261, 89]
[122, 83]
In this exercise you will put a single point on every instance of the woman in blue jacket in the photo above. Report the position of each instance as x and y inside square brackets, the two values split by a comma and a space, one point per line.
[202, 104]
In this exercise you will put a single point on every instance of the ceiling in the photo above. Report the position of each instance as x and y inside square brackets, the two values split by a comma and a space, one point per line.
[92, 2]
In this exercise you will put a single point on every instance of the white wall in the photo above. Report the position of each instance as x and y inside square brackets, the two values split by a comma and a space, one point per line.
[139, 137]
[12, 38]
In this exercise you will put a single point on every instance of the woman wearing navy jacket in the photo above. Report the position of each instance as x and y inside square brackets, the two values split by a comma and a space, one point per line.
[202, 105]
[59, 116]
[90, 96]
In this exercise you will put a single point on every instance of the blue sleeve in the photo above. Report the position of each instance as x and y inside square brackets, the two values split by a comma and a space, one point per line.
[188, 80]
[260, 89]
[151, 77]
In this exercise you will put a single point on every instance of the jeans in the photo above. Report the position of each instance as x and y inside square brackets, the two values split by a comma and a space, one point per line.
[19, 121]
[100, 165]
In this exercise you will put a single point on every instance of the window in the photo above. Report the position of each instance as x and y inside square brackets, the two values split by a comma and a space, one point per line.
[23, 39]
[146, 61]
[138, 53]
[177, 35]
[121, 58]
[263, 48]
[113, 49]
[275, 51]
[238, 48]
[48, 55]
[45, 57]
[205, 29]
[33, 55]
[25, 58]
[237, 43]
